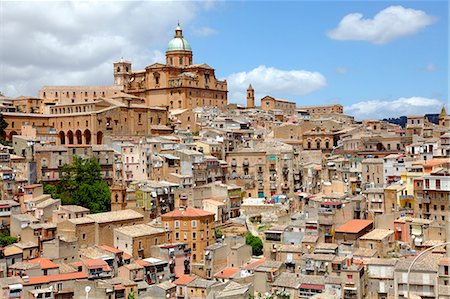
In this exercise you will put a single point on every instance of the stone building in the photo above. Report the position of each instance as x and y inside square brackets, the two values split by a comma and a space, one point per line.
[269, 103]
[192, 226]
[90, 122]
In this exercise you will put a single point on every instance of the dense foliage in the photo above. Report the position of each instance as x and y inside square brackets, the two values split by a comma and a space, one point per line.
[81, 184]
[6, 239]
[3, 126]
[256, 244]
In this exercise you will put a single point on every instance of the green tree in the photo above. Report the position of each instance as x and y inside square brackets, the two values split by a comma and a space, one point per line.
[255, 242]
[52, 190]
[6, 239]
[81, 184]
[218, 232]
[3, 126]
[132, 295]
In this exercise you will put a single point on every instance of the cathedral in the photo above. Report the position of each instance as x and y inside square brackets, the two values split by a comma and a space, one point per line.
[176, 84]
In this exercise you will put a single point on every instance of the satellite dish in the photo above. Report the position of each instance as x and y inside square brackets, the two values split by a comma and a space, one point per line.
[87, 289]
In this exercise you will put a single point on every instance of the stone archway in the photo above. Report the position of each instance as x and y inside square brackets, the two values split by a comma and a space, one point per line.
[78, 136]
[87, 136]
[99, 137]
[11, 134]
[62, 138]
[70, 137]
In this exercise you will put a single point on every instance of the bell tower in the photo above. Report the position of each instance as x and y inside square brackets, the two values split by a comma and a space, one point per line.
[118, 198]
[250, 97]
[122, 72]
[443, 117]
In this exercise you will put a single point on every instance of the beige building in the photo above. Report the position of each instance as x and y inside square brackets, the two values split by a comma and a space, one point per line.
[270, 103]
[382, 240]
[90, 122]
[265, 169]
[192, 226]
[177, 84]
[98, 228]
[137, 240]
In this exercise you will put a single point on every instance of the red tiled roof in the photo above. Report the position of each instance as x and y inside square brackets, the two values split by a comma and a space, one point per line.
[436, 162]
[354, 226]
[188, 212]
[126, 256]
[77, 264]
[312, 286]
[255, 264]
[97, 263]
[44, 263]
[110, 249]
[142, 263]
[226, 273]
[184, 280]
[118, 287]
[54, 278]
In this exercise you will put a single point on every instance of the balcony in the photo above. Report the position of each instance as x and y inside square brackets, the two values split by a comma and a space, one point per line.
[406, 197]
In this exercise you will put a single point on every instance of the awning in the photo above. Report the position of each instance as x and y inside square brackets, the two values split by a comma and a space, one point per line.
[16, 286]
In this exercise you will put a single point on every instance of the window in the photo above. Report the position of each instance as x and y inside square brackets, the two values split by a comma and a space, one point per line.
[194, 235]
[194, 223]
[83, 236]
[177, 236]
[177, 223]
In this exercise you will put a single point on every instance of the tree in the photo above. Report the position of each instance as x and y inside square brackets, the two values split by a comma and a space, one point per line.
[81, 184]
[255, 242]
[3, 126]
[6, 239]
[132, 295]
[52, 190]
[219, 234]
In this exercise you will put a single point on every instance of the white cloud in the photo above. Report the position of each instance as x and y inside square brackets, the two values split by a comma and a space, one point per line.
[389, 24]
[274, 82]
[379, 109]
[75, 42]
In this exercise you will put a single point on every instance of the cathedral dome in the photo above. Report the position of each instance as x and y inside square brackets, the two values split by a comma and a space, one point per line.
[178, 43]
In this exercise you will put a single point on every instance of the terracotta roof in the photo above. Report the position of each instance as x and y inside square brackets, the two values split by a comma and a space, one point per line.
[110, 249]
[226, 273]
[436, 162]
[44, 263]
[97, 263]
[312, 286]
[184, 280]
[188, 212]
[354, 226]
[54, 278]
[126, 256]
[255, 264]
[142, 263]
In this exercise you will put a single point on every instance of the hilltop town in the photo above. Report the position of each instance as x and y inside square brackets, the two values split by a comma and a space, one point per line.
[158, 186]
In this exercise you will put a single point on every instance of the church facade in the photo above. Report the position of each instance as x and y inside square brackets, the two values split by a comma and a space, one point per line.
[176, 84]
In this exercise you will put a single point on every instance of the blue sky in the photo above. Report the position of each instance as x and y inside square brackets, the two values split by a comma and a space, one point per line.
[373, 72]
